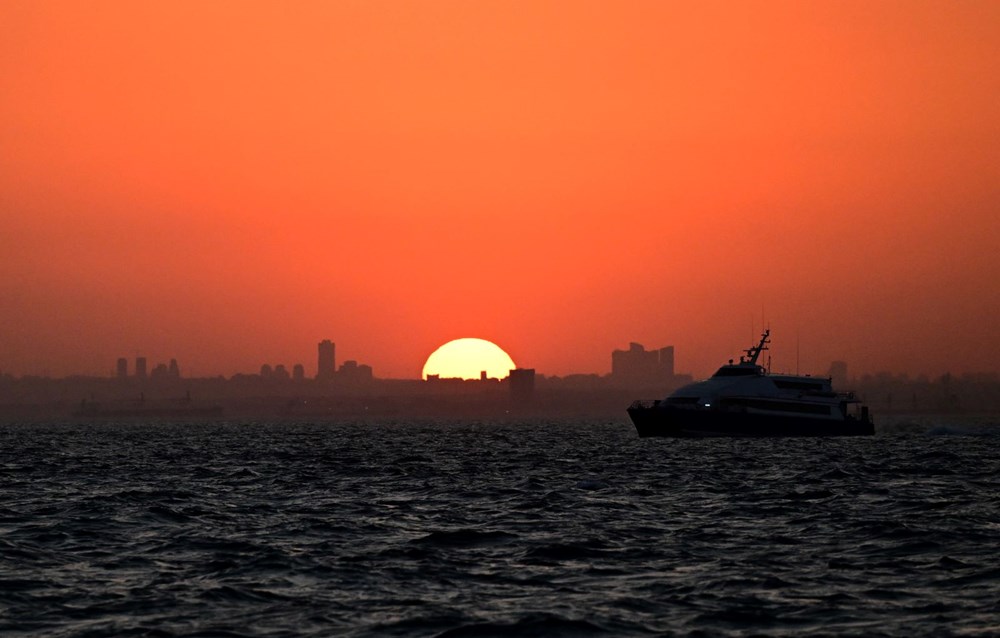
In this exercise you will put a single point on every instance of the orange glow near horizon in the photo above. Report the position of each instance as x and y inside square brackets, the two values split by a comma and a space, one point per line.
[228, 183]
[467, 358]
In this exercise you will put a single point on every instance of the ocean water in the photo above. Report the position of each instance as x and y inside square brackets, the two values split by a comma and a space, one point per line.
[483, 529]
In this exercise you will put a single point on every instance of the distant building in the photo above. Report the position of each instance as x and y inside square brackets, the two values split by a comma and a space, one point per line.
[266, 371]
[327, 363]
[280, 373]
[122, 369]
[638, 366]
[140, 367]
[667, 361]
[351, 372]
[160, 372]
[298, 372]
[522, 385]
[174, 369]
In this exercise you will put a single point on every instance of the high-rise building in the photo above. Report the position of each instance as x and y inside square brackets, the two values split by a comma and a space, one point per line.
[327, 364]
[638, 366]
[122, 369]
[298, 372]
[634, 364]
[140, 367]
[174, 369]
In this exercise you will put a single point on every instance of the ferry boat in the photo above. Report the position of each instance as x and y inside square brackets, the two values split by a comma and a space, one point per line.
[745, 399]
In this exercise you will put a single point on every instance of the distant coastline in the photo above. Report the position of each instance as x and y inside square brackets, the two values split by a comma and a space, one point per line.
[247, 396]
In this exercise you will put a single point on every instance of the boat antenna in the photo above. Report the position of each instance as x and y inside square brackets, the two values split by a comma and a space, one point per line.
[754, 352]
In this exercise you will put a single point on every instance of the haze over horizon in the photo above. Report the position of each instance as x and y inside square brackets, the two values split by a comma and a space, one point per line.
[229, 183]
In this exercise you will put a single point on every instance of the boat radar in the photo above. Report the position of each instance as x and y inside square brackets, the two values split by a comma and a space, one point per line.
[754, 351]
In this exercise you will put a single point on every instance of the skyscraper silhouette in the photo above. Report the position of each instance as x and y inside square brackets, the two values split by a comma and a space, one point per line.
[327, 364]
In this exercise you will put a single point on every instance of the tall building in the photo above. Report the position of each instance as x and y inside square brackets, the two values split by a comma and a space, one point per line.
[327, 364]
[298, 372]
[633, 364]
[122, 369]
[140, 367]
[174, 369]
[638, 367]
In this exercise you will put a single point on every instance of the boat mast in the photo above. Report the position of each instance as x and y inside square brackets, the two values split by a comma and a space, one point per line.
[755, 351]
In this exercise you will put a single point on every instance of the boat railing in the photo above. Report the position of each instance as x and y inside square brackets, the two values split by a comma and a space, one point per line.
[644, 404]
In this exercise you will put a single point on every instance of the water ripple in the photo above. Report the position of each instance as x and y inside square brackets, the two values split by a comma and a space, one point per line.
[492, 529]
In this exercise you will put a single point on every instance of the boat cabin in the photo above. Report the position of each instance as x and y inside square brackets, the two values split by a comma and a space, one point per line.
[739, 370]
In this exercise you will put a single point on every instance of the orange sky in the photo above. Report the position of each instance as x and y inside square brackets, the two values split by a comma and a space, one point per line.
[228, 183]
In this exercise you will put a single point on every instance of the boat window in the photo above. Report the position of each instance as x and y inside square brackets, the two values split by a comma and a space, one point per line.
[798, 385]
[782, 406]
[736, 371]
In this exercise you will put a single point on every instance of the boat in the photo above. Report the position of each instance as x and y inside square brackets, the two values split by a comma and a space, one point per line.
[746, 400]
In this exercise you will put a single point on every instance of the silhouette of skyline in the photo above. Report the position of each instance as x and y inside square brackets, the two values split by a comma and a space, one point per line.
[354, 390]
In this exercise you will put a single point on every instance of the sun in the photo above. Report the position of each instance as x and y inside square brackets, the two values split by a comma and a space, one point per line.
[468, 359]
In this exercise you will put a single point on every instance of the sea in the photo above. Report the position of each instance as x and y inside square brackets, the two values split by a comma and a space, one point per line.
[495, 528]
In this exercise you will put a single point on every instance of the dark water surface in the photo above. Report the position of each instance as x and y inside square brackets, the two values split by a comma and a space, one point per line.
[481, 529]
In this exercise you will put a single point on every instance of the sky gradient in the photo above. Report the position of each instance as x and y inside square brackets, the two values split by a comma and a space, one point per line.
[228, 183]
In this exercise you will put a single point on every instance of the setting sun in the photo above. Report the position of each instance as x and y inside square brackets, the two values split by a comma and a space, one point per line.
[468, 359]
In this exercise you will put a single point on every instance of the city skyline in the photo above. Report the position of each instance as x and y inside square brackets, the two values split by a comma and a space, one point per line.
[353, 391]
[627, 365]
